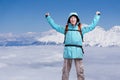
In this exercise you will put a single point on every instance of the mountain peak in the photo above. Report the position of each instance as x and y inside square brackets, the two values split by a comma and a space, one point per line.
[97, 37]
[115, 29]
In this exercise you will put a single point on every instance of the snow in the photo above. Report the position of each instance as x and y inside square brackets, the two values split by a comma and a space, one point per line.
[45, 63]
[98, 37]
[52, 36]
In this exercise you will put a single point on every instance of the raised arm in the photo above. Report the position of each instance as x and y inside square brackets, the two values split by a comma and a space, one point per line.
[93, 24]
[53, 24]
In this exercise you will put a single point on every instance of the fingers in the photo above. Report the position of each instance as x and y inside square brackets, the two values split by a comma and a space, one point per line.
[47, 14]
[98, 13]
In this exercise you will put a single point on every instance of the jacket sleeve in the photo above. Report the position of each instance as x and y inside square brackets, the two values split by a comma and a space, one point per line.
[55, 26]
[92, 25]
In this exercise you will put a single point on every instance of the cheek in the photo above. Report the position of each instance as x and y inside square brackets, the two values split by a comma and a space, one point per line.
[73, 20]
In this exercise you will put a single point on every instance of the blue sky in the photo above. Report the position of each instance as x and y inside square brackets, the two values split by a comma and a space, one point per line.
[20, 16]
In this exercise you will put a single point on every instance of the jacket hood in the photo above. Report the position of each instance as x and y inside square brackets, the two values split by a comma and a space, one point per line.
[73, 13]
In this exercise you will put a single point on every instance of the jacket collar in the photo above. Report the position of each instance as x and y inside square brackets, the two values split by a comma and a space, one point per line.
[71, 26]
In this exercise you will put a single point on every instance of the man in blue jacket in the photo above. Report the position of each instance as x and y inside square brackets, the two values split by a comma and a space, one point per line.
[73, 50]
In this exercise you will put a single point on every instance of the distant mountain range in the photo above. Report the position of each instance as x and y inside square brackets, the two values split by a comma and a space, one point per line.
[98, 37]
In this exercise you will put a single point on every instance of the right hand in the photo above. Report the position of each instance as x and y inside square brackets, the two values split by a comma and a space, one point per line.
[47, 14]
[98, 13]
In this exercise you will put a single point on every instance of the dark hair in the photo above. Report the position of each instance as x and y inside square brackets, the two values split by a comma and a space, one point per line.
[78, 20]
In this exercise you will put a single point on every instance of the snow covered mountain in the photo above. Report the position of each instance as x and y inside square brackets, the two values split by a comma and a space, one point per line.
[10, 39]
[98, 37]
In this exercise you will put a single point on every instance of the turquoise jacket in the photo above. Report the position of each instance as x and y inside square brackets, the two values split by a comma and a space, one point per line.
[73, 37]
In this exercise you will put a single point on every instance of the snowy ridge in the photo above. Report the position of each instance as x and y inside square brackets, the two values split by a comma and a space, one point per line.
[52, 36]
[98, 37]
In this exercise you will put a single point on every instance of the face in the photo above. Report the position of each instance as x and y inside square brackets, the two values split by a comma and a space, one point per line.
[73, 20]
